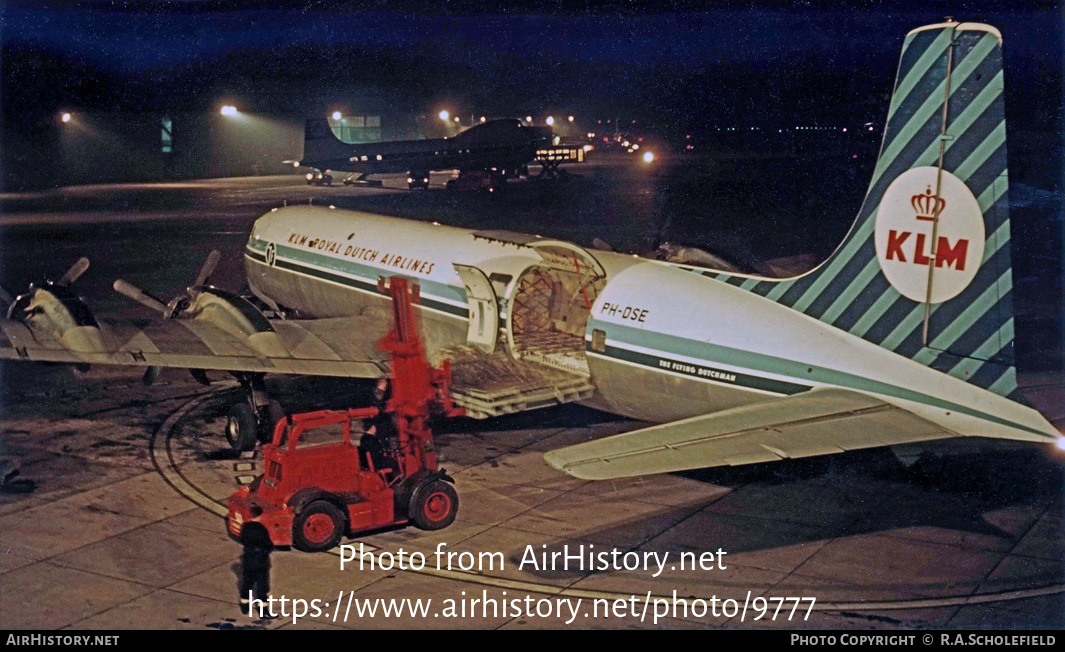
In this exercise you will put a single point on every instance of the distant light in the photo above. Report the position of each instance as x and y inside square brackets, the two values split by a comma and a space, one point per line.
[636, 146]
[336, 115]
[295, 164]
[444, 115]
[456, 118]
[870, 128]
[482, 118]
[229, 110]
[648, 157]
[588, 148]
[528, 119]
[571, 118]
[65, 117]
[591, 134]
[1060, 443]
[550, 120]
[844, 130]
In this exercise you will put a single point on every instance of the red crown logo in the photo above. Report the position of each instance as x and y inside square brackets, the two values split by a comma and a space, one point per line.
[927, 205]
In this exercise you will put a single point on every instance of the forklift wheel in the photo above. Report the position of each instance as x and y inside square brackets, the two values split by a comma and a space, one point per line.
[318, 527]
[434, 505]
[241, 430]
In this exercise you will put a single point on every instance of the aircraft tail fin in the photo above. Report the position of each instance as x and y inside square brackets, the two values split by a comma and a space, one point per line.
[321, 147]
[925, 270]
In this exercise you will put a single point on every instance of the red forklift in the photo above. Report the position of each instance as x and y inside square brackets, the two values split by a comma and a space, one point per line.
[311, 496]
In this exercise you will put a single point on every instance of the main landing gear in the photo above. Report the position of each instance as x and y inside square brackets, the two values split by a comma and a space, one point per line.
[252, 419]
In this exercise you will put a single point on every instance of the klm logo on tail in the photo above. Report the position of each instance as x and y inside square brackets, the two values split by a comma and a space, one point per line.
[925, 271]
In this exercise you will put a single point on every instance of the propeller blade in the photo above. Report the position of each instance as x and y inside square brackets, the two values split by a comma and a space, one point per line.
[208, 268]
[133, 292]
[75, 271]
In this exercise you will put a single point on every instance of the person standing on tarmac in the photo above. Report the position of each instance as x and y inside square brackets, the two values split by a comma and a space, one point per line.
[255, 567]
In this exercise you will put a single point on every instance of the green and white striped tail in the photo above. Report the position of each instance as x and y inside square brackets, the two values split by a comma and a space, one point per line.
[925, 270]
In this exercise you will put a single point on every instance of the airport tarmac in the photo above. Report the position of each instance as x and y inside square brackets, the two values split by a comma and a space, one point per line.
[125, 529]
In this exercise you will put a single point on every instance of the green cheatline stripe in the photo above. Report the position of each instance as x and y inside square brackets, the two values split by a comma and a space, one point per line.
[368, 272]
[665, 344]
[426, 302]
[920, 67]
[701, 372]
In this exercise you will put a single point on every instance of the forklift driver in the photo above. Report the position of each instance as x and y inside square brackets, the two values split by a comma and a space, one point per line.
[378, 442]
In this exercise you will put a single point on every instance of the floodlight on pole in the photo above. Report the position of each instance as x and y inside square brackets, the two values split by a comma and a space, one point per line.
[444, 115]
[336, 115]
[65, 117]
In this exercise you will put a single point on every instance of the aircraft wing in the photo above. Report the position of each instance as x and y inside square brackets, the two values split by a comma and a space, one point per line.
[817, 422]
[343, 346]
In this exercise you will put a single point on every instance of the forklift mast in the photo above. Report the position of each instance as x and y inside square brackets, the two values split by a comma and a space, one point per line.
[419, 391]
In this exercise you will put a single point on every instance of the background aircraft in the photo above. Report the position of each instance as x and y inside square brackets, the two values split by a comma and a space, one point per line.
[905, 334]
[504, 146]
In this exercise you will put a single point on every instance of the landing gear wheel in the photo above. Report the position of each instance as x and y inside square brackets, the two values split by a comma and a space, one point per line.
[434, 505]
[241, 428]
[318, 527]
[271, 414]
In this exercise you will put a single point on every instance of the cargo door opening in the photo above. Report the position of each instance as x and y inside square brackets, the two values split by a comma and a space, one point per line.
[549, 314]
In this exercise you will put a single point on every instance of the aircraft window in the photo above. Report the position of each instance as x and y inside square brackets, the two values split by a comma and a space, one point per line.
[378, 157]
[365, 158]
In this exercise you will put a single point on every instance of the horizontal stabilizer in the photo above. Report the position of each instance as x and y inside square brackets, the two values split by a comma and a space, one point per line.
[817, 422]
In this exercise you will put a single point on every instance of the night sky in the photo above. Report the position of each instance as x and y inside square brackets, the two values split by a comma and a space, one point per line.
[673, 67]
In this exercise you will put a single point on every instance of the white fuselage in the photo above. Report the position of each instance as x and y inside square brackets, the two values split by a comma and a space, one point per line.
[658, 341]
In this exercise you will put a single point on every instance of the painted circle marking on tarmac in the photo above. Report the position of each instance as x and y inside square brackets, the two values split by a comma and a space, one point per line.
[168, 469]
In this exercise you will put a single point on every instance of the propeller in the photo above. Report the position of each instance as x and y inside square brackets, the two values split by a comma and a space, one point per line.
[26, 301]
[179, 303]
[176, 306]
[75, 271]
[140, 296]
